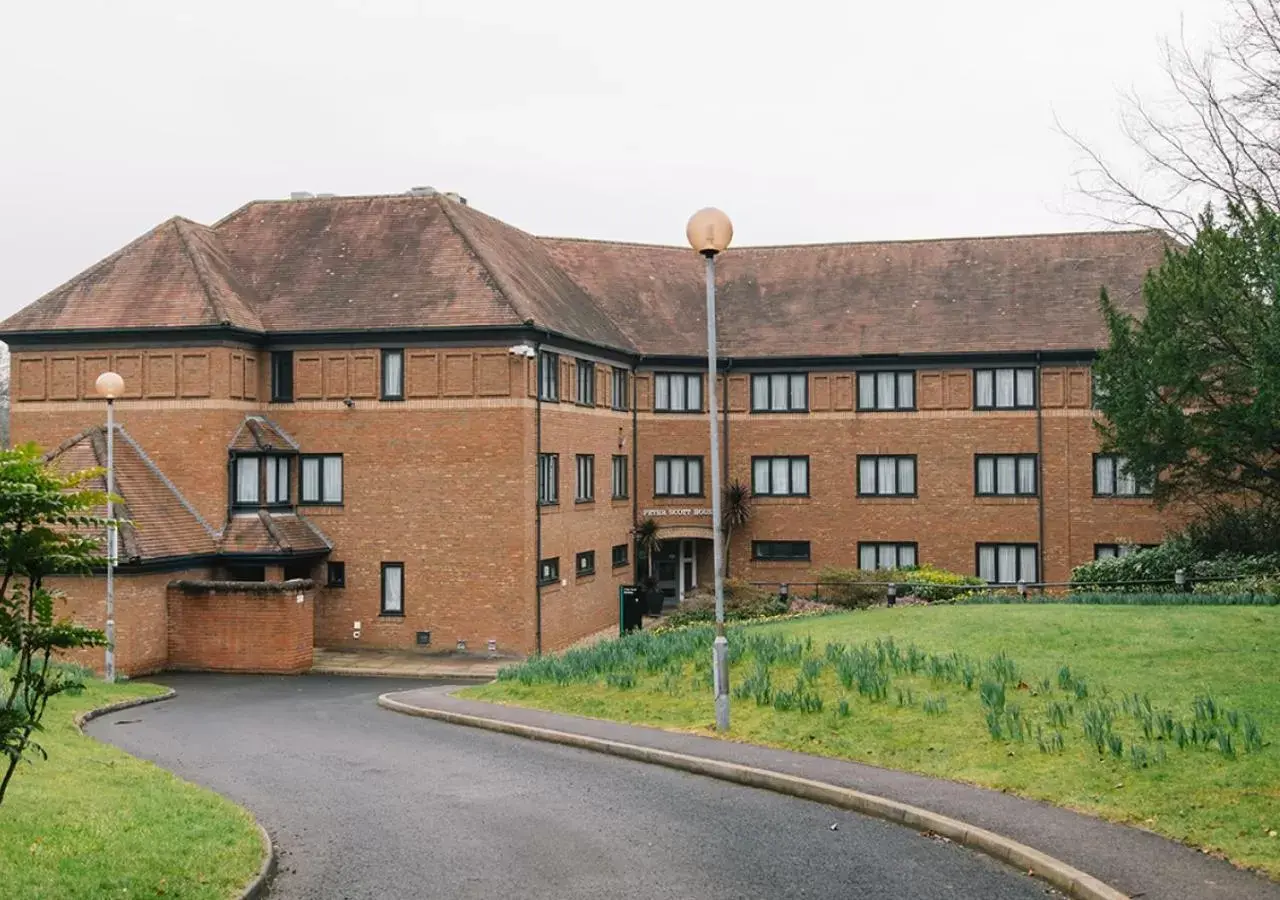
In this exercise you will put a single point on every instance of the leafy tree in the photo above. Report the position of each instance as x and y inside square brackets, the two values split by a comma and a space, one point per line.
[1191, 391]
[735, 512]
[44, 520]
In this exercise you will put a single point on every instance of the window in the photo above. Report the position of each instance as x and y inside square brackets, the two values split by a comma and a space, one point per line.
[392, 374]
[260, 480]
[1007, 563]
[677, 476]
[780, 393]
[281, 375]
[392, 589]
[585, 563]
[297, 570]
[619, 555]
[586, 383]
[549, 571]
[336, 575]
[585, 490]
[277, 479]
[791, 551]
[873, 555]
[674, 392]
[549, 376]
[1005, 475]
[621, 388]
[886, 476]
[780, 476]
[1004, 388]
[1112, 478]
[246, 489]
[619, 477]
[883, 391]
[321, 480]
[548, 478]
[246, 573]
[1111, 551]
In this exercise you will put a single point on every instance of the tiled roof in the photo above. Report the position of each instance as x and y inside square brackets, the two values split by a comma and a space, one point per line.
[356, 263]
[264, 532]
[161, 523]
[259, 434]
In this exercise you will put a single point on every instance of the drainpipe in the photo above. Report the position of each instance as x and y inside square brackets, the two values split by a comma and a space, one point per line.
[1040, 466]
[635, 471]
[537, 500]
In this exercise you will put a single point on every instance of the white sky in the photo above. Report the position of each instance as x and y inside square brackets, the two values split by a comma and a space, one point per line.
[804, 120]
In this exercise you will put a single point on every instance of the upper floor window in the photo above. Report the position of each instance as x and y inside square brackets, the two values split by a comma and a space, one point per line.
[619, 477]
[677, 392]
[619, 555]
[392, 374]
[321, 481]
[886, 476]
[585, 563]
[621, 388]
[780, 393]
[884, 391]
[586, 485]
[548, 478]
[548, 376]
[586, 383]
[1005, 475]
[677, 476]
[780, 476]
[281, 375]
[1007, 563]
[778, 551]
[1112, 478]
[1004, 388]
[260, 480]
[873, 555]
[549, 570]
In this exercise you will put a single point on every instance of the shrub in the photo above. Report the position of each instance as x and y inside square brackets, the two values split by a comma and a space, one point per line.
[1160, 564]
[1258, 585]
[741, 601]
[929, 583]
[1236, 531]
[849, 588]
[1120, 598]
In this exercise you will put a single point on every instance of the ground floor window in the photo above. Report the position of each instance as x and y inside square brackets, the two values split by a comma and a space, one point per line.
[1111, 551]
[619, 555]
[393, 589]
[337, 575]
[780, 550]
[873, 555]
[549, 570]
[1007, 563]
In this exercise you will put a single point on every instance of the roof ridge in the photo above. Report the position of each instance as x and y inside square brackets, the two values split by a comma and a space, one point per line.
[314, 527]
[289, 439]
[70, 442]
[142, 454]
[273, 532]
[504, 291]
[215, 306]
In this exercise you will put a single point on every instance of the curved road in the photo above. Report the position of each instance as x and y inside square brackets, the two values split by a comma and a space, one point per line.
[365, 803]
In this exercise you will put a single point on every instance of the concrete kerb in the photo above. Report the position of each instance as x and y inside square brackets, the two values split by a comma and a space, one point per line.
[1062, 876]
[258, 886]
[355, 672]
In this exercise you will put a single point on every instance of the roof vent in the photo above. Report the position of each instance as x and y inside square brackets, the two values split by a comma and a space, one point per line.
[301, 195]
[456, 197]
[422, 190]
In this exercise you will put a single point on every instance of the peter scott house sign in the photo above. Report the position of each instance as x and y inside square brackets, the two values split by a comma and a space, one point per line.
[680, 512]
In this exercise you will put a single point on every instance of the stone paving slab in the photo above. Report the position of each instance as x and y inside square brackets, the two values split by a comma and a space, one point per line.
[396, 664]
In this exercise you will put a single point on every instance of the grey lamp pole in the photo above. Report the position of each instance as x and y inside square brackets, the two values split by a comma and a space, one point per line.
[109, 386]
[709, 232]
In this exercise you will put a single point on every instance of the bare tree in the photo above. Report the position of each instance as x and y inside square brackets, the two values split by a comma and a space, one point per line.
[1215, 141]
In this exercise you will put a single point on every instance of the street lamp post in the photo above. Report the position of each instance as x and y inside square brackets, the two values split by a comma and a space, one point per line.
[110, 386]
[709, 232]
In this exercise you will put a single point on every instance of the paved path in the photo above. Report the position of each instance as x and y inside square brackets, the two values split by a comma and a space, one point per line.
[364, 803]
[459, 667]
[1136, 862]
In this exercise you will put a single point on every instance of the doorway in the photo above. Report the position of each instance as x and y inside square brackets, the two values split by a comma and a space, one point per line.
[677, 567]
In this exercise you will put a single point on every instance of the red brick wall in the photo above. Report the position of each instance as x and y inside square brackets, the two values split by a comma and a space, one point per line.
[226, 630]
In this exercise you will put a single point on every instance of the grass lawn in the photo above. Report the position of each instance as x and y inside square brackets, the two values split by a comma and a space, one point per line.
[92, 821]
[905, 711]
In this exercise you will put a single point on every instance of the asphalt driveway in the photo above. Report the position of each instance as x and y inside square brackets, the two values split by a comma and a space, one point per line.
[365, 803]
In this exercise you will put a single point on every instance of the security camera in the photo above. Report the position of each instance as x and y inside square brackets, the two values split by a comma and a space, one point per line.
[521, 350]
[349, 402]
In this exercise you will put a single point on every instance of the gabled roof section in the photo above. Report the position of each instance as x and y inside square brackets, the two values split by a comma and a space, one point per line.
[258, 434]
[175, 274]
[264, 533]
[161, 523]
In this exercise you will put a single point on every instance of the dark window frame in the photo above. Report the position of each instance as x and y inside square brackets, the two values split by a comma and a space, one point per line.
[281, 376]
[578, 570]
[335, 574]
[1035, 388]
[382, 374]
[1020, 545]
[621, 399]
[621, 560]
[898, 458]
[790, 459]
[552, 498]
[897, 552]
[1116, 548]
[1017, 458]
[590, 483]
[264, 458]
[757, 545]
[626, 476]
[875, 391]
[342, 495]
[702, 392]
[1139, 492]
[383, 612]
[548, 376]
[702, 475]
[554, 576]
[584, 375]
[769, 391]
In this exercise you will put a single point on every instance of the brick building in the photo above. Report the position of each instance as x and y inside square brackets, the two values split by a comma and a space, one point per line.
[450, 426]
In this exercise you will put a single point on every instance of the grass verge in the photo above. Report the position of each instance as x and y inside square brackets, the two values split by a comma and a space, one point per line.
[1167, 718]
[92, 821]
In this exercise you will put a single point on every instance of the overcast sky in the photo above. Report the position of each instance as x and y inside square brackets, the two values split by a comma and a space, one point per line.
[804, 120]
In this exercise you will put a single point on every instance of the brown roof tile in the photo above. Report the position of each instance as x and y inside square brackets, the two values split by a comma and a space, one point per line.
[259, 434]
[264, 532]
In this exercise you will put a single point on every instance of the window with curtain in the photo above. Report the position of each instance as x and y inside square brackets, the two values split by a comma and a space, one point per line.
[886, 391]
[586, 383]
[780, 476]
[549, 570]
[586, 482]
[677, 392]
[620, 477]
[873, 555]
[321, 479]
[277, 470]
[281, 376]
[1005, 475]
[1004, 388]
[247, 487]
[1007, 563]
[392, 374]
[621, 388]
[585, 563]
[1111, 551]
[780, 392]
[548, 376]
[887, 476]
[1112, 478]
[548, 478]
[393, 589]
[677, 476]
